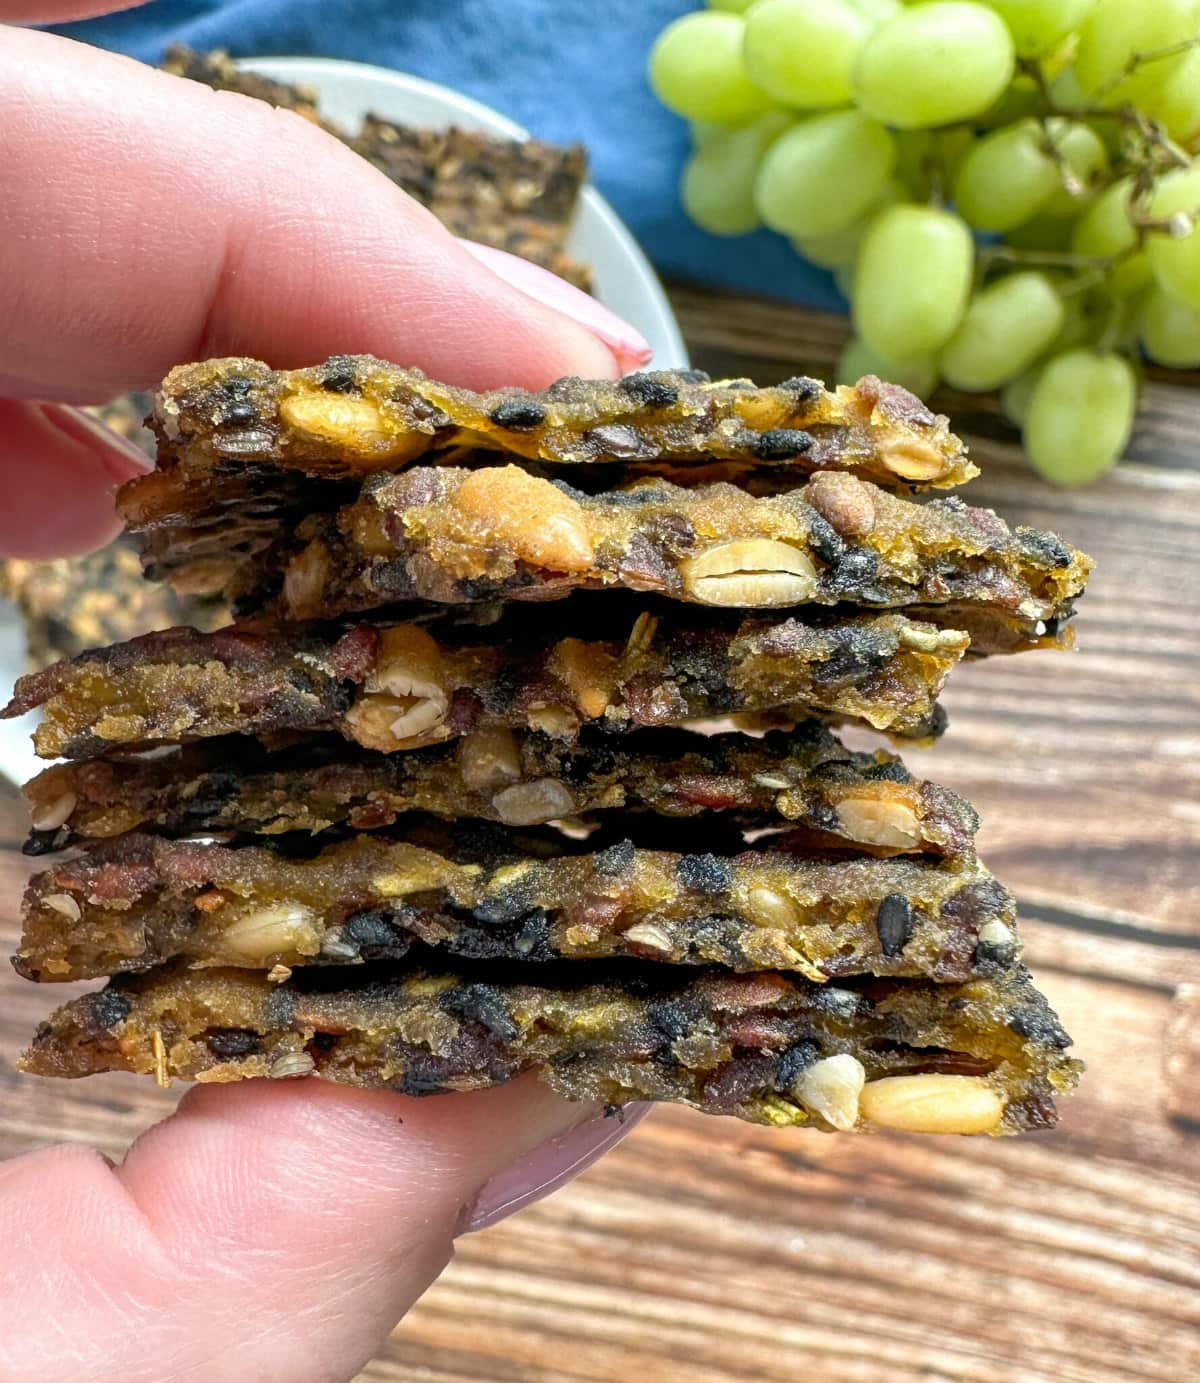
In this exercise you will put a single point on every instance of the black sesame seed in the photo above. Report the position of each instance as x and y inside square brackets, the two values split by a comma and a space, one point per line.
[1039, 1025]
[44, 842]
[669, 1018]
[616, 859]
[824, 539]
[804, 388]
[782, 443]
[232, 1042]
[655, 391]
[518, 415]
[856, 567]
[794, 1062]
[1044, 547]
[693, 376]
[338, 375]
[238, 386]
[705, 873]
[238, 414]
[894, 923]
[109, 1008]
[893, 772]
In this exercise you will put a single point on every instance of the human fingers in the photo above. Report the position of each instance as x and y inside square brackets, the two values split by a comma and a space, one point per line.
[180, 223]
[271, 1232]
[58, 11]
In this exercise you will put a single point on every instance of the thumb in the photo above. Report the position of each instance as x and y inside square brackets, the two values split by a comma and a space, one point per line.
[247, 231]
[271, 1232]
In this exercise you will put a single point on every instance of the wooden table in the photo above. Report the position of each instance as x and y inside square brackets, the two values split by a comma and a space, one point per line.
[712, 1251]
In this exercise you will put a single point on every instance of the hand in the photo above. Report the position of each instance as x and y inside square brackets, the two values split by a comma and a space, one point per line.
[267, 1232]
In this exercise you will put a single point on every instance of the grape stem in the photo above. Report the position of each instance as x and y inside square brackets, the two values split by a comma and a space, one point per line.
[1051, 259]
[1136, 60]
[1066, 174]
[1150, 131]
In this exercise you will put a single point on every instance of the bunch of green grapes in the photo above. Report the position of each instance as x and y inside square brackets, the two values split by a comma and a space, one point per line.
[1006, 190]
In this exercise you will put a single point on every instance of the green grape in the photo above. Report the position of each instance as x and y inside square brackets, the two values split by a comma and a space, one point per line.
[1176, 103]
[717, 187]
[1018, 100]
[940, 62]
[1084, 153]
[929, 158]
[911, 281]
[704, 130]
[782, 37]
[1176, 262]
[1170, 331]
[1041, 233]
[1105, 229]
[1016, 395]
[1116, 30]
[876, 11]
[1006, 177]
[918, 374]
[1087, 314]
[839, 249]
[1007, 325]
[1080, 415]
[696, 69]
[843, 276]
[732, 6]
[824, 174]
[1037, 26]
[1065, 91]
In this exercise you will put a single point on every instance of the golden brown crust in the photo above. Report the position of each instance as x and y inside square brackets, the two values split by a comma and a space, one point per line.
[485, 891]
[985, 1056]
[450, 535]
[402, 686]
[805, 779]
[356, 414]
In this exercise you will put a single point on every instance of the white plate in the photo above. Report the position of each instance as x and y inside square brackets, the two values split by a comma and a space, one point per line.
[348, 90]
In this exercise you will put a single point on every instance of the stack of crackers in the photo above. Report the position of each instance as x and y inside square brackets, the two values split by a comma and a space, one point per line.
[521, 753]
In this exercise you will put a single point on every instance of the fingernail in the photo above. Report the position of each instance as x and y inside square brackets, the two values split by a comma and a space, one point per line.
[548, 1166]
[122, 458]
[627, 343]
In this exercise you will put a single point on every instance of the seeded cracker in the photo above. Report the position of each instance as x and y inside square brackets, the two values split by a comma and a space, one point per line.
[982, 1057]
[407, 839]
[76, 603]
[516, 195]
[135, 901]
[450, 535]
[401, 687]
[804, 779]
[357, 414]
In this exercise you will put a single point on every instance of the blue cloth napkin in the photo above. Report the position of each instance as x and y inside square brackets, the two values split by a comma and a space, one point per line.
[565, 69]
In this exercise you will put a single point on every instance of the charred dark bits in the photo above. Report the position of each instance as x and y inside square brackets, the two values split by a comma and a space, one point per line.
[376, 935]
[484, 1004]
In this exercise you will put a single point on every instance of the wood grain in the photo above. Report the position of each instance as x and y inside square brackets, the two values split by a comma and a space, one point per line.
[714, 1251]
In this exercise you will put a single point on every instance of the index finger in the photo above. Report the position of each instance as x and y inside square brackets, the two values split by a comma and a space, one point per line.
[145, 220]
